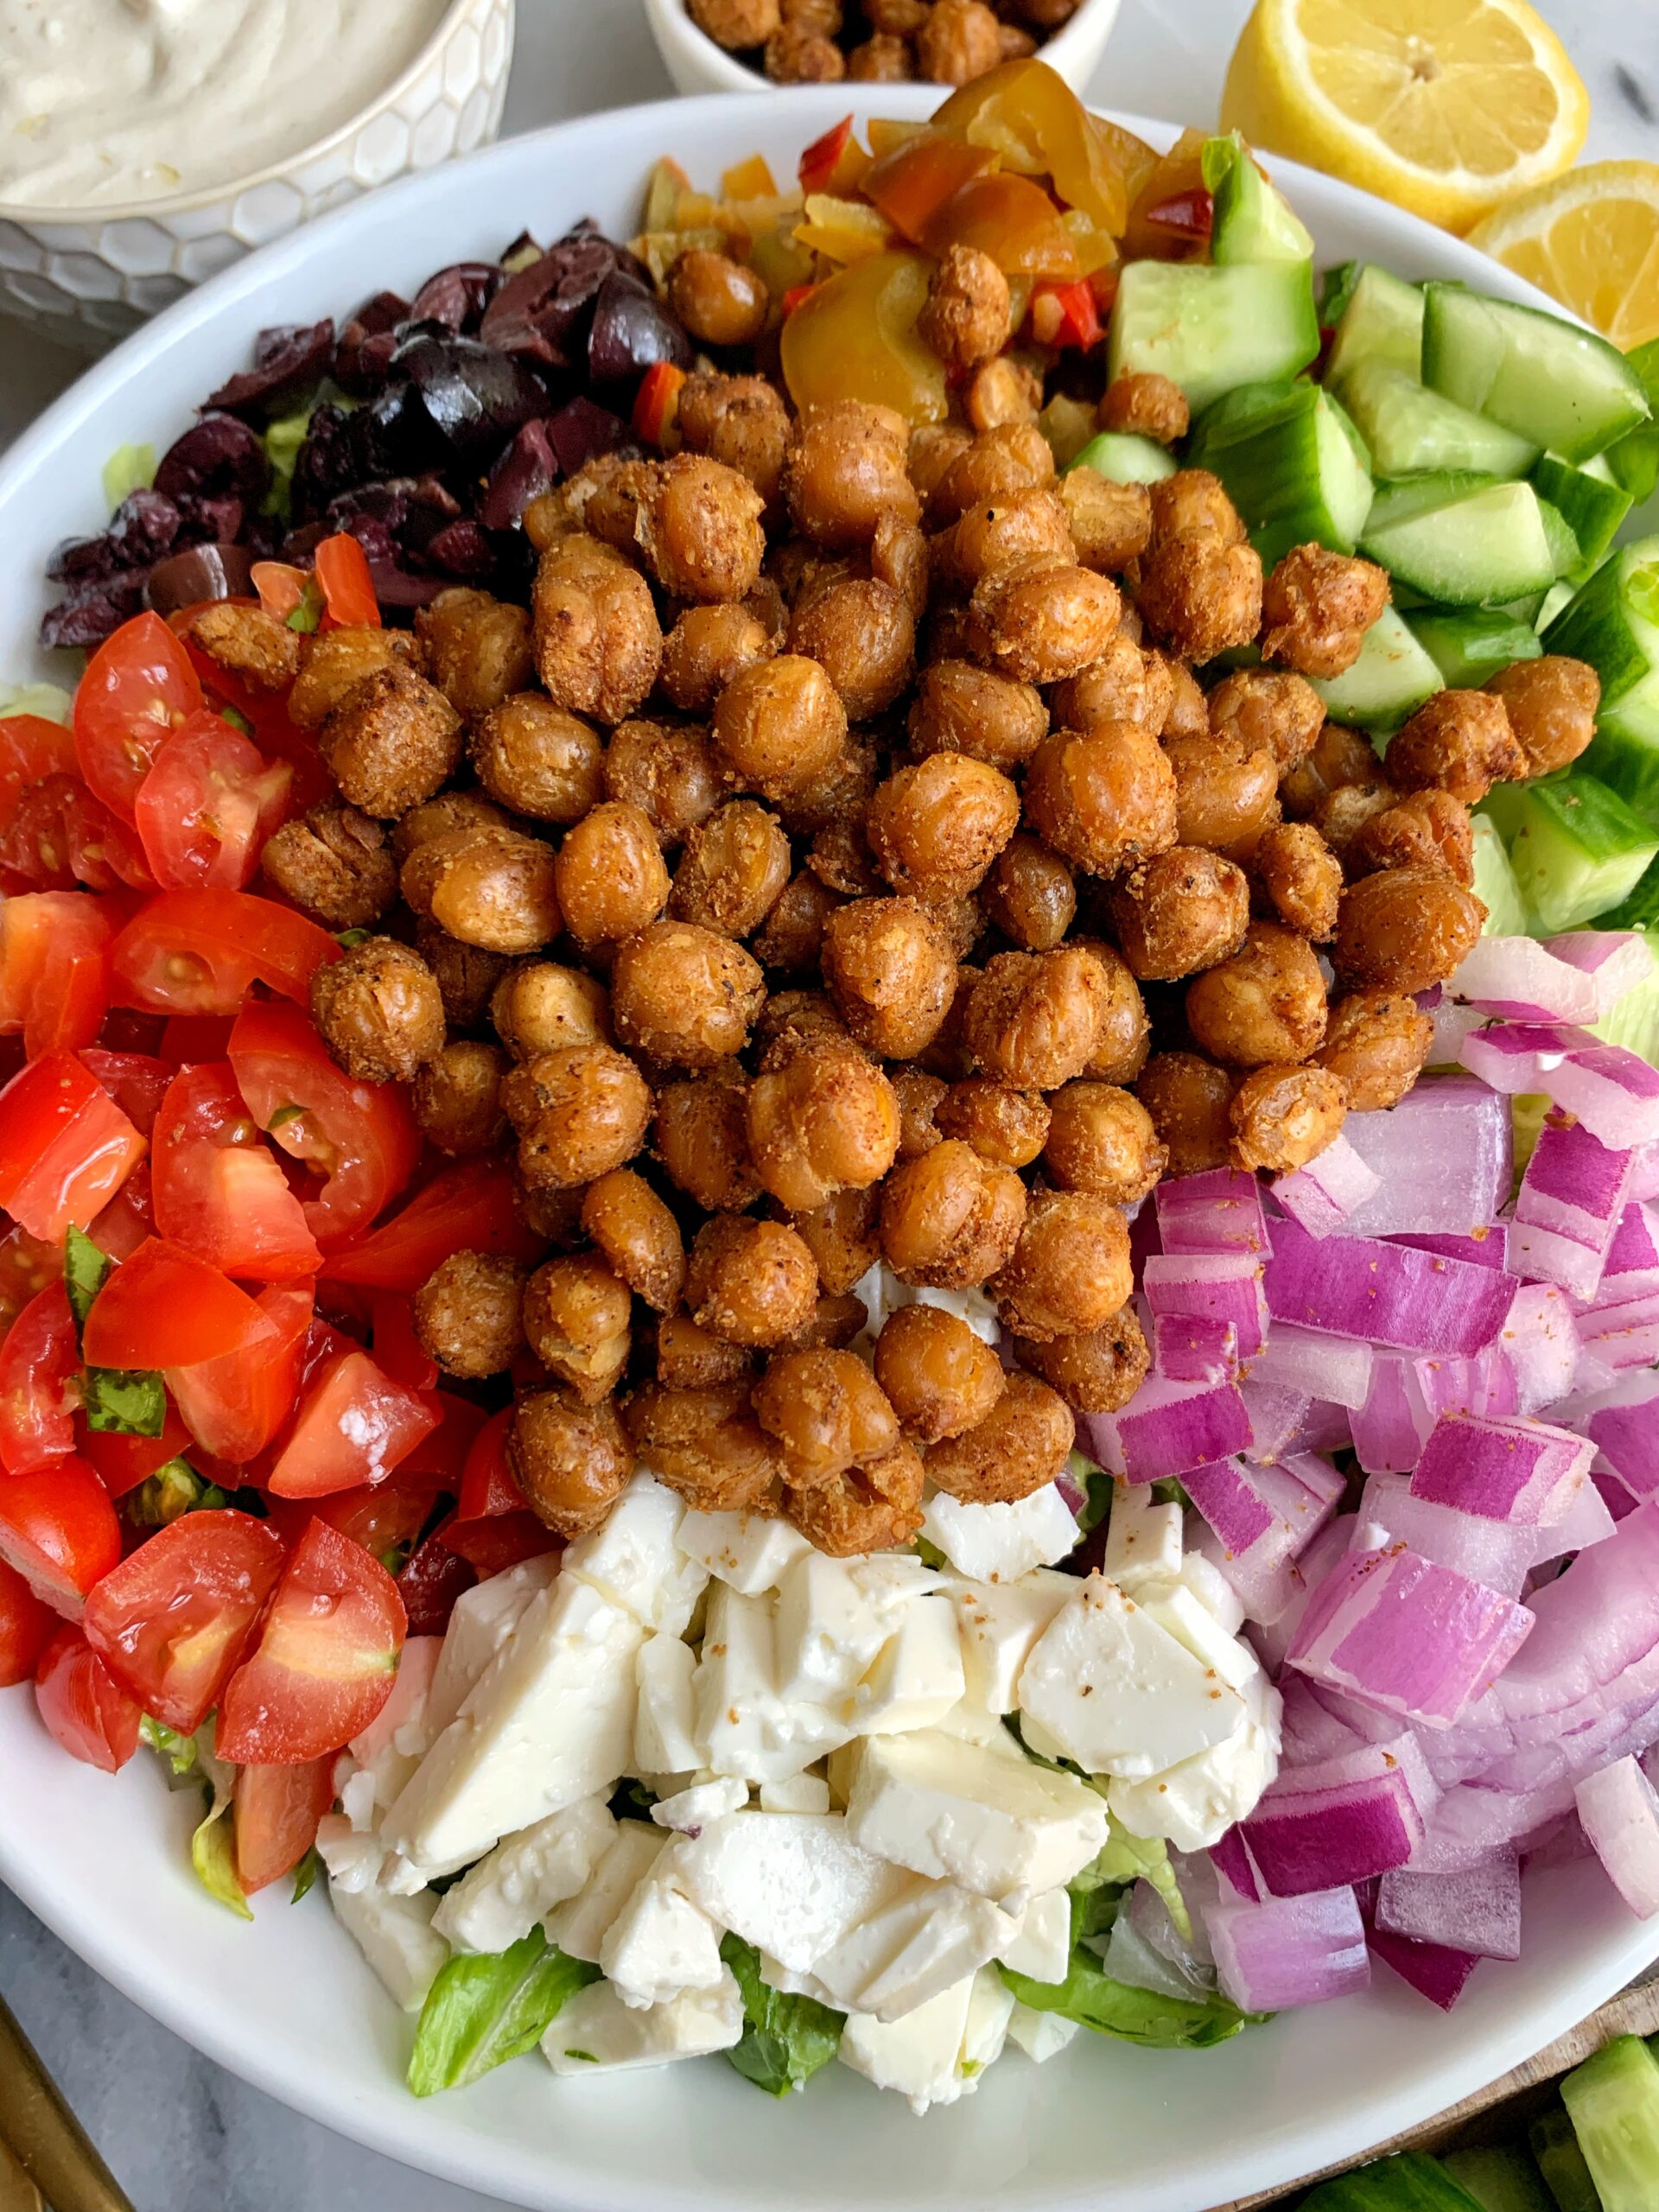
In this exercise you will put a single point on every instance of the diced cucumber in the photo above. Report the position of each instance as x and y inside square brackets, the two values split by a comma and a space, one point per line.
[1411, 429]
[1209, 329]
[1408, 2182]
[1575, 847]
[1495, 885]
[1592, 504]
[1470, 643]
[1635, 459]
[1634, 1022]
[1640, 911]
[1612, 622]
[1126, 459]
[1379, 319]
[1292, 462]
[1253, 221]
[1480, 550]
[1562, 538]
[1499, 2179]
[1558, 596]
[1336, 288]
[1567, 390]
[1613, 2100]
[1399, 500]
[1555, 2147]
[1387, 684]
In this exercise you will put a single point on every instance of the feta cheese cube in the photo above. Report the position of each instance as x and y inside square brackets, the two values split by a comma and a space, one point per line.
[1213, 1592]
[632, 1559]
[352, 1857]
[882, 1293]
[580, 1926]
[1042, 1950]
[990, 2007]
[999, 1623]
[695, 1807]
[829, 1624]
[1194, 1802]
[800, 1793]
[594, 2032]
[953, 1811]
[917, 1678]
[999, 1543]
[396, 1936]
[1143, 1540]
[665, 1733]
[918, 2057]
[975, 1725]
[1118, 1693]
[1173, 1605]
[748, 1552]
[521, 1880]
[1041, 2036]
[743, 1726]
[399, 1726]
[925, 1937]
[792, 1883]
[660, 1944]
[483, 1618]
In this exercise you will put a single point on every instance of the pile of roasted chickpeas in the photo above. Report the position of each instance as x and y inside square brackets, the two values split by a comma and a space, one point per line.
[840, 861]
[880, 41]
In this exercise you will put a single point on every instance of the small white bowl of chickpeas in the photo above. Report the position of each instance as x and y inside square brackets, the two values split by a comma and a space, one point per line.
[720, 45]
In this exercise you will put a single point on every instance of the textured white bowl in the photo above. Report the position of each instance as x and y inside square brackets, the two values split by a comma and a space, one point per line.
[87, 276]
[698, 64]
[287, 2002]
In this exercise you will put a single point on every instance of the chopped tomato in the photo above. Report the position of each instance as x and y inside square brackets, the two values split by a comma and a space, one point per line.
[325, 1658]
[55, 969]
[360, 1138]
[207, 805]
[488, 1486]
[173, 1620]
[491, 1546]
[120, 1227]
[26, 1627]
[275, 1810]
[165, 1307]
[912, 182]
[39, 1361]
[353, 1427]
[280, 587]
[382, 1517]
[348, 587]
[57, 1529]
[136, 1081]
[825, 163]
[36, 843]
[66, 1148]
[27, 1268]
[469, 1207]
[234, 1407]
[431, 1584]
[1066, 314]
[202, 952]
[105, 852]
[398, 1350]
[218, 1190]
[31, 749]
[83, 1705]
[440, 1456]
[139, 687]
[123, 1462]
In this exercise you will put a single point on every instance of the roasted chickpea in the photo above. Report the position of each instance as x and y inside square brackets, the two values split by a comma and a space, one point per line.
[752, 1282]
[845, 469]
[1283, 1117]
[918, 1094]
[466, 1314]
[843, 1237]
[948, 1218]
[880, 59]
[702, 1139]
[537, 759]
[247, 643]
[604, 497]
[832, 1325]
[378, 1010]
[539, 1007]
[835, 801]
[477, 648]
[1070, 1271]
[936, 827]
[1101, 1139]
[597, 645]
[1120, 1052]
[1110, 523]
[734, 868]
[1005, 1126]
[1376, 1042]
[466, 974]
[1266, 1004]
[961, 709]
[877, 1507]
[700, 530]
[1551, 703]
[1340, 758]
[841, 858]
[1000, 391]
[706, 649]
[1460, 742]
[1029, 895]
[792, 936]
[336, 865]
[1428, 828]
[890, 973]
[1225, 796]
[637, 1235]
[1034, 1020]
[392, 741]
[1194, 504]
[822, 1118]
[456, 1097]
[948, 1055]
[1022, 1444]
[665, 770]
[1189, 710]
[609, 874]
[1200, 595]
[1098, 1372]
[719, 301]
[1344, 813]
[797, 55]
[494, 888]
[1188, 1099]
[685, 995]
[333, 663]
[1180, 912]
[739, 420]
[571, 1461]
[1128, 684]
[862, 633]
[434, 817]
[1270, 707]
[576, 1315]
[736, 23]
[554, 1215]
[828, 1413]
[1301, 877]
[967, 313]
[688, 1358]
[1317, 607]
[990, 467]
[579, 1112]
[1144, 406]
[939, 1377]
[706, 1444]
[1106, 800]
[779, 725]
[1405, 928]
[1042, 623]
[959, 41]
[1028, 526]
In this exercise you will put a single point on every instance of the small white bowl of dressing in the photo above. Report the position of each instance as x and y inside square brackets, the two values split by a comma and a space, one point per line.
[147, 144]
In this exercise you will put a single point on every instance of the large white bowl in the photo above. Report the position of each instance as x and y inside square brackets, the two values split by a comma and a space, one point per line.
[286, 2003]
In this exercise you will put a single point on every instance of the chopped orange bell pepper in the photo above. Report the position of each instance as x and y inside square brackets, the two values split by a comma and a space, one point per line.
[657, 404]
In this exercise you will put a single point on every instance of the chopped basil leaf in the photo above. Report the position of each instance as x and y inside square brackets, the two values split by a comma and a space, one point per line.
[85, 1269]
[307, 615]
[349, 938]
[123, 1401]
[484, 2010]
[1097, 1487]
[785, 2039]
[236, 719]
[587, 2055]
[930, 1554]
[172, 1490]
[305, 1875]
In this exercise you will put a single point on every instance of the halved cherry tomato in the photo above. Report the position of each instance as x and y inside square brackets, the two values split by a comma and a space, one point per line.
[31, 749]
[55, 969]
[136, 1081]
[39, 1361]
[164, 1307]
[234, 1407]
[348, 587]
[1036, 123]
[359, 1137]
[37, 845]
[431, 1582]
[66, 1148]
[120, 1227]
[105, 852]
[468, 1207]
[139, 687]
[207, 805]
[398, 1350]
[1012, 219]
[325, 1661]
[202, 951]
[123, 1462]
[276, 1811]
[173, 1620]
[218, 1188]
[57, 1529]
[488, 1486]
[505, 1540]
[83, 1705]
[27, 1268]
[26, 1627]
[353, 1427]
[656, 405]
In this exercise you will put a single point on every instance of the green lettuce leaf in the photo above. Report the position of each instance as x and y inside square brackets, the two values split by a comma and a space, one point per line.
[1125, 1859]
[49, 701]
[484, 2010]
[179, 1752]
[85, 1269]
[1089, 1996]
[123, 1401]
[128, 468]
[1096, 1486]
[213, 1847]
[785, 2039]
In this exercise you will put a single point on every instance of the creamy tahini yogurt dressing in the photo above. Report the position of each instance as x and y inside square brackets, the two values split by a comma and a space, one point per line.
[111, 101]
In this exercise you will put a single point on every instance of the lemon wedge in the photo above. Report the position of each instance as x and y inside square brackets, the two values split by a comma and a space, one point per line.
[1446, 107]
[1591, 239]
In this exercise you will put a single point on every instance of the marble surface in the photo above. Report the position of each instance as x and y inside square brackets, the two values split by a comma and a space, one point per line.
[181, 2134]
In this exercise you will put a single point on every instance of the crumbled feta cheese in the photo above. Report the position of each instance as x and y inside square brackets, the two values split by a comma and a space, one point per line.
[1194, 1802]
[999, 1543]
[1042, 1950]
[580, 1926]
[1041, 2036]
[519, 1882]
[799, 1793]
[999, 1623]
[1173, 1605]
[749, 1551]
[925, 1937]
[882, 1293]
[665, 1734]
[696, 1806]
[743, 1726]
[830, 1622]
[632, 1559]
[1213, 1591]
[792, 1883]
[481, 1624]
[660, 1944]
[396, 1936]
[919, 2055]
[990, 2008]
[1143, 1540]
[594, 2032]
[352, 1858]
[399, 1728]
[917, 1678]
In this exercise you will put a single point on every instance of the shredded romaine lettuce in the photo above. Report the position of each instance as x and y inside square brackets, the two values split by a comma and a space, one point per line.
[785, 2039]
[128, 468]
[485, 2009]
[1089, 1996]
[49, 701]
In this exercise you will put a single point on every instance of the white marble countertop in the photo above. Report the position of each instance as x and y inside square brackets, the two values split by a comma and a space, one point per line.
[181, 2134]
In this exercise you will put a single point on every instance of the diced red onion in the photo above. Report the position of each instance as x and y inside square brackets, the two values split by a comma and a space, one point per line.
[1622, 1423]
[1220, 1210]
[1450, 1021]
[1516, 1470]
[1145, 1907]
[1192, 1347]
[1073, 1492]
[1231, 1861]
[1486, 1246]
[1288, 1951]
[1618, 960]
[1612, 1338]
[1619, 1501]
[1644, 1170]
[1613, 1092]
[1431, 1969]
[1308, 1839]
[1323, 1194]
[1596, 1634]
[1491, 1552]
[1541, 1345]
[1263, 1515]
[1631, 1268]
[1390, 1429]
[1269, 1589]
[1588, 1521]
[1277, 1417]
[1484, 1385]
[1620, 1812]
[1443, 1157]
[1132, 1960]
[1215, 1285]
[1273, 1631]
[1314, 1364]
[1168, 1428]
[1478, 1909]
[1568, 1207]
[1386, 1294]
[1579, 978]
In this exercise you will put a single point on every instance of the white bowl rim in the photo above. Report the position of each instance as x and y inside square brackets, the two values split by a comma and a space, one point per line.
[210, 2020]
[100, 214]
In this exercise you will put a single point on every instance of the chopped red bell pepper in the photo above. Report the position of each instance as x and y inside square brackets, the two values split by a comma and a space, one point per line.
[1066, 314]
[1190, 214]
[819, 161]
[657, 403]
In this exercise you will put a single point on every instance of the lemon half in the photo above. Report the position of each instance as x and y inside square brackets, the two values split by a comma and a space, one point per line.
[1592, 239]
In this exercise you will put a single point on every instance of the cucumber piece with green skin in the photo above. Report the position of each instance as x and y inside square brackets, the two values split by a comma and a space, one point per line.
[1408, 2182]
[1558, 596]
[1483, 550]
[1292, 464]
[1635, 459]
[1495, 885]
[1252, 219]
[1411, 430]
[1612, 622]
[1634, 1022]
[1563, 539]
[1640, 911]
[1399, 499]
[1470, 643]
[1555, 2147]
[1387, 684]
[1337, 288]
[1125, 458]
[1567, 390]
[1499, 2179]
[1210, 329]
[1613, 2100]
[1379, 319]
[1593, 504]
[1575, 847]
